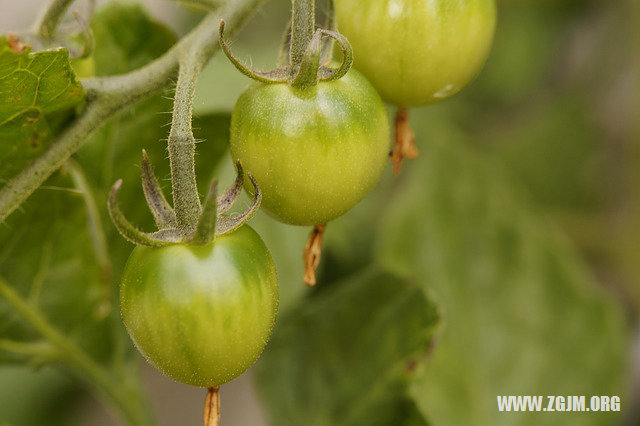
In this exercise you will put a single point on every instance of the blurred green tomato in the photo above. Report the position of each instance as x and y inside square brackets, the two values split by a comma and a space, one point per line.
[418, 51]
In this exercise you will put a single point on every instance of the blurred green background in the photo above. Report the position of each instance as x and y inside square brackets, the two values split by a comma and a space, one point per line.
[505, 260]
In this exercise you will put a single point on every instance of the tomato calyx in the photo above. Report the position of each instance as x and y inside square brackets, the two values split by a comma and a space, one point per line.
[307, 50]
[212, 222]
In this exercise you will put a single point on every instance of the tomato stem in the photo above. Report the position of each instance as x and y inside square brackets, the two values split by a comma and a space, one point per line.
[312, 253]
[182, 146]
[50, 17]
[307, 70]
[405, 141]
[305, 60]
[212, 407]
[303, 27]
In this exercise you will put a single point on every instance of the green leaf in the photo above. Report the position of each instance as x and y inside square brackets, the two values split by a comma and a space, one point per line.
[127, 38]
[37, 397]
[37, 94]
[47, 256]
[344, 356]
[521, 315]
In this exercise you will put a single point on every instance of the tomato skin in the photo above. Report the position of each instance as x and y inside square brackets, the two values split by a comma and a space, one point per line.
[201, 314]
[315, 152]
[418, 51]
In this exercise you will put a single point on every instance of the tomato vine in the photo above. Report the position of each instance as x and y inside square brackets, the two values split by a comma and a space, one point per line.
[106, 96]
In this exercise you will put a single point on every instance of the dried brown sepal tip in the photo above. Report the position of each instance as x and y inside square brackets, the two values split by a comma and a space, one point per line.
[212, 407]
[15, 44]
[312, 253]
[405, 141]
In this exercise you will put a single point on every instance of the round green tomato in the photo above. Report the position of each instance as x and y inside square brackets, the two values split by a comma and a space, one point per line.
[418, 51]
[201, 314]
[315, 152]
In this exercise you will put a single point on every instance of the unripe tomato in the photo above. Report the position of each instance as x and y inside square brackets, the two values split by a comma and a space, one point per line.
[418, 51]
[201, 314]
[314, 152]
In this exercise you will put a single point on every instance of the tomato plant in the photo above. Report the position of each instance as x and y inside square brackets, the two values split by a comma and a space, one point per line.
[201, 314]
[417, 51]
[315, 152]
[435, 293]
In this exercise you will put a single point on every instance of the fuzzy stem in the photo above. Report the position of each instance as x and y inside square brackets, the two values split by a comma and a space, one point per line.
[182, 148]
[51, 16]
[124, 397]
[108, 95]
[303, 23]
[307, 75]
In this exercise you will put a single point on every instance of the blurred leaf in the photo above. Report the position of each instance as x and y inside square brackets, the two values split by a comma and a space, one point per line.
[344, 356]
[556, 150]
[567, 130]
[36, 397]
[520, 56]
[37, 91]
[127, 38]
[521, 315]
[46, 255]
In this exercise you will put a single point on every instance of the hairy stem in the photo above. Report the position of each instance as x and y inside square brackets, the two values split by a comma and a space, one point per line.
[303, 22]
[109, 95]
[182, 148]
[51, 16]
[117, 390]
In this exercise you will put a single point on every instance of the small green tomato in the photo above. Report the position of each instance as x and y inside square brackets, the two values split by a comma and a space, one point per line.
[315, 152]
[201, 314]
[418, 51]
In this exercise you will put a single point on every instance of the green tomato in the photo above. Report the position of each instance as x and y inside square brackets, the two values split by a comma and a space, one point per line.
[418, 51]
[315, 152]
[201, 314]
